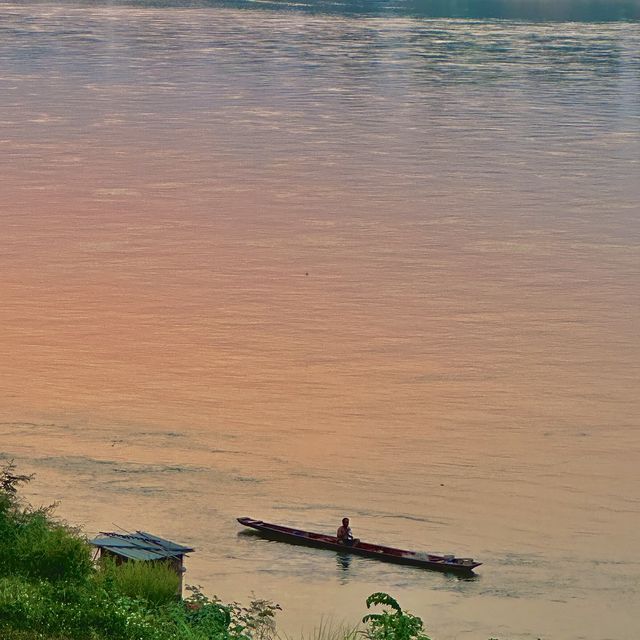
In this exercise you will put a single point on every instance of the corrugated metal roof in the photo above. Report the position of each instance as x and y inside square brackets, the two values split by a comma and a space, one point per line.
[139, 545]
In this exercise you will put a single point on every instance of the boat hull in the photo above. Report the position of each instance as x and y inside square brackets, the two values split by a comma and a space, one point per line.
[447, 564]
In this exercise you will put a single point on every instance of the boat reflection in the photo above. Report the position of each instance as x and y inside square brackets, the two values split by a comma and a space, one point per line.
[344, 561]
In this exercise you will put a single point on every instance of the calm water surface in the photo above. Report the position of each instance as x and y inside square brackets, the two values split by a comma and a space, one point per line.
[300, 264]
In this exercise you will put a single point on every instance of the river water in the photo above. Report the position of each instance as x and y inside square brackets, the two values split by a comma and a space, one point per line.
[300, 261]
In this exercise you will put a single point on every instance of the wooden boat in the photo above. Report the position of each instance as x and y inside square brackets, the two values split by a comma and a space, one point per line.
[425, 560]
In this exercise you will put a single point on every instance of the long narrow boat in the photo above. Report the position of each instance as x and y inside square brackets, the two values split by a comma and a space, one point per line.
[449, 563]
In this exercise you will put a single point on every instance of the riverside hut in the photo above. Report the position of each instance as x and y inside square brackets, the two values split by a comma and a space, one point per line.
[141, 546]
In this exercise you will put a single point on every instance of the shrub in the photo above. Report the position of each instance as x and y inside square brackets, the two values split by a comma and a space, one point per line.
[207, 618]
[255, 622]
[48, 550]
[391, 625]
[75, 612]
[32, 543]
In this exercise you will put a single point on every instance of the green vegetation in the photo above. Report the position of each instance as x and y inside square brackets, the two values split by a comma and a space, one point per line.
[155, 583]
[51, 590]
[391, 625]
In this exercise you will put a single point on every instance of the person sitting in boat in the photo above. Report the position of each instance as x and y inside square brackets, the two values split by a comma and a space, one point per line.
[344, 535]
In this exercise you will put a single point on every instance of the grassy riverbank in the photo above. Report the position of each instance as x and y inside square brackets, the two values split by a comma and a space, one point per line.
[50, 589]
